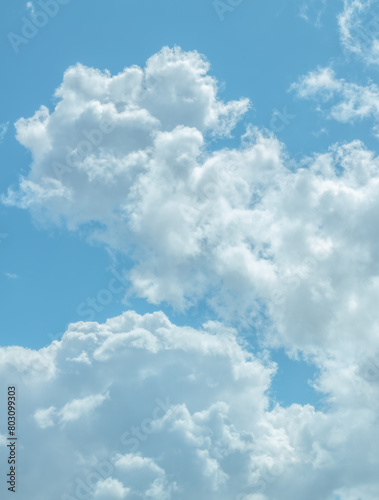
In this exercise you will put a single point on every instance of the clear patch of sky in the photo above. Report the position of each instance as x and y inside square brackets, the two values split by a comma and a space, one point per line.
[293, 380]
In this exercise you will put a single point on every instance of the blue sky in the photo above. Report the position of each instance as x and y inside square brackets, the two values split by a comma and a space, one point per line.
[312, 134]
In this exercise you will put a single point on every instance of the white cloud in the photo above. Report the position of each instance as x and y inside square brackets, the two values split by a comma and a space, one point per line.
[77, 408]
[245, 229]
[321, 83]
[44, 417]
[190, 418]
[288, 248]
[82, 358]
[134, 462]
[359, 29]
[197, 391]
[348, 101]
[110, 489]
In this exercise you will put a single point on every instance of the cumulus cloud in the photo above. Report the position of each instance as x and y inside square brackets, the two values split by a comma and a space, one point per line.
[287, 248]
[110, 488]
[177, 413]
[263, 240]
[158, 407]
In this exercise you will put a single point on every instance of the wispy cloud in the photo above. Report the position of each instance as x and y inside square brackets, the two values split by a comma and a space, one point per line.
[312, 11]
[359, 29]
[3, 130]
[344, 101]
[11, 276]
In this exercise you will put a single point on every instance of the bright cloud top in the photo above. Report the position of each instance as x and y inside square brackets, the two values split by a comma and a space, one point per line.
[164, 412]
